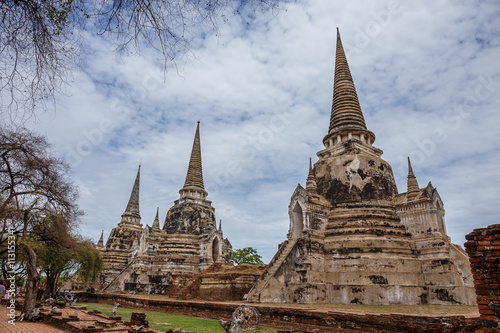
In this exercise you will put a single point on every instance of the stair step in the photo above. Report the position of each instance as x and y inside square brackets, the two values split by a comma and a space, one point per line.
[273, 267]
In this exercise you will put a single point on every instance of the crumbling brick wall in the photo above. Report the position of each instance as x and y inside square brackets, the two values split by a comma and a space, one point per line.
[483, 248]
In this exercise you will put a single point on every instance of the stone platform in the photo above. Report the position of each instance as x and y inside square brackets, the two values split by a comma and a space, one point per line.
[298, 318]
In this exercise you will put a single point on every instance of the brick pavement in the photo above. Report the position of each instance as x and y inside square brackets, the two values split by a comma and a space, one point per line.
[24, 327]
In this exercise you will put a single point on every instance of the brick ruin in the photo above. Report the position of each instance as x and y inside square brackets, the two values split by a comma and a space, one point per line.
[353, 238]
[218, 282]
[483, 247]
[141, 259]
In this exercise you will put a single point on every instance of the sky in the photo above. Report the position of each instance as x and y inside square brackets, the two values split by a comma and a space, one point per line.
[427, 77]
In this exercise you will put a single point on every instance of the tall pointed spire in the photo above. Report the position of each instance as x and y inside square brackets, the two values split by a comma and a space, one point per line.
[131, 214]
[346, 114]
[194, 175]
[133, 203]
[412, 183]
[345, 105]
[193, 186]
[156, 223]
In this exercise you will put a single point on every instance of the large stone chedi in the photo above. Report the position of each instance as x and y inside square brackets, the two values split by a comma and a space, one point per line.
[352, 237]
[143, 260]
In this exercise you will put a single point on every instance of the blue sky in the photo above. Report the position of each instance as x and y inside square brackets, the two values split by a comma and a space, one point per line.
[427, 76]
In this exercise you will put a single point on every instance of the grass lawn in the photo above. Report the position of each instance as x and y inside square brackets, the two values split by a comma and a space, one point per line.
[164, 321]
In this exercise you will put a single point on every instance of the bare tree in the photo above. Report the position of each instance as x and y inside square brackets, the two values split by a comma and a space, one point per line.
[35, 53]
[31, 177]
[34, 188]
[39, 38]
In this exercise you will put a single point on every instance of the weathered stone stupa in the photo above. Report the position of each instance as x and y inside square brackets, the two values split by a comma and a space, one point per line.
[352, 237]
[143, 260]
[126, 235]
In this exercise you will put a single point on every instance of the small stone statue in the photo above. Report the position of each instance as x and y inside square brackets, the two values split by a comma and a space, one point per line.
[49, 302]
[115, 308]
[226, 325]
[56, 310]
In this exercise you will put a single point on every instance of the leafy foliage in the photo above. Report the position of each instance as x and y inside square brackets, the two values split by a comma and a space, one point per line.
[247, 255]
[90, 261]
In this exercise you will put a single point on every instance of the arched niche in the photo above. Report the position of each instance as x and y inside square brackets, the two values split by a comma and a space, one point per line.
[297, 221]
[215, 249]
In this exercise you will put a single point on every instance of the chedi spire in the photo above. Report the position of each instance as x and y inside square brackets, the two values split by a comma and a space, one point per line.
[131, 214]
[346, 115]
[100, 243]
[311, 187]
[133, 202]
[156, 222]
[193, 186]
[412, 183]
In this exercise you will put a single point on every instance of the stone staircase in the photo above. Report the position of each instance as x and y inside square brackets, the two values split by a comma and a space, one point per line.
[115, 279]
[271, 269]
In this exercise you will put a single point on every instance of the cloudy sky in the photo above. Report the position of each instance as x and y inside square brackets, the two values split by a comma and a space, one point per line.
[427, 76]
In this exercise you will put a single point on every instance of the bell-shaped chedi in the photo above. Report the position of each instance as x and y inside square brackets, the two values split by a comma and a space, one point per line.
[148, 260]
[346, 242]
[116, 252]
[363, 229]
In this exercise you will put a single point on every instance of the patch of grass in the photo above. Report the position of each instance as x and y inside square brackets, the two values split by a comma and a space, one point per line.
[165, 321]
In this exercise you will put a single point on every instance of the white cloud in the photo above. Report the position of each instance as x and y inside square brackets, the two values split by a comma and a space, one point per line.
[427, 76]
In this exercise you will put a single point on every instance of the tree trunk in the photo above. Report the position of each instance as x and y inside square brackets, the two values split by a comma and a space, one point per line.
[50, 284]
[33, 279]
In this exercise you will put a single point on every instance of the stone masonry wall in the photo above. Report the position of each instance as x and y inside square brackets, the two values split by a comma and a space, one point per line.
[483, 247]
